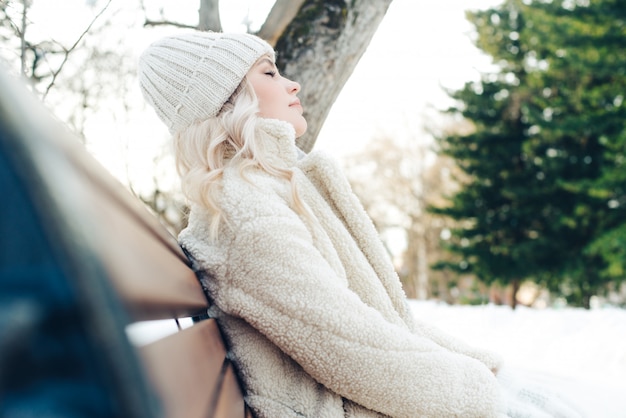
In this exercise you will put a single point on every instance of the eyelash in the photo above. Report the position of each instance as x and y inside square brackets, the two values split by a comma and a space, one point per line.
[271, 73]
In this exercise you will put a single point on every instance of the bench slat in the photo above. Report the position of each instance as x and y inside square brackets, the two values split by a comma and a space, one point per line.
[152, 280]
[146, 265]
[102, 182]
[187, 369]
[230, 403]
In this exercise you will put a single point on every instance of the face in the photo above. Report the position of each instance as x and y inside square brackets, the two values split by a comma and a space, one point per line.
[277, 95]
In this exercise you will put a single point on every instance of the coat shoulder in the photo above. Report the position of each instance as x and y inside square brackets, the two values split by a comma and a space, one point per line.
[253, 194]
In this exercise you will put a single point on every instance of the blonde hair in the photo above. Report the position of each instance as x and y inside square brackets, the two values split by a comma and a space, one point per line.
[206, 148]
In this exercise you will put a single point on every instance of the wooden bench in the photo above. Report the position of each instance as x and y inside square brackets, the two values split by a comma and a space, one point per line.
[121, 264]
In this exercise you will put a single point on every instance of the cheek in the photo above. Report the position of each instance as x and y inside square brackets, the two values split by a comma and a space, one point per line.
[267, 102]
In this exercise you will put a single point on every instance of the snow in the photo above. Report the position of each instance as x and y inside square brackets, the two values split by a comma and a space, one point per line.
[582, 352]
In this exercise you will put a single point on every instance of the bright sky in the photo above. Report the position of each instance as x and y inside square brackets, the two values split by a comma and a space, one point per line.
[419, 46]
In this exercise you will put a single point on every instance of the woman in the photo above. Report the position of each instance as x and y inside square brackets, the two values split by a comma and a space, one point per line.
[306, 297]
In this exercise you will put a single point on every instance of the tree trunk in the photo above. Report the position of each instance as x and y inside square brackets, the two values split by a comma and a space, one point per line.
[586, 301]
[320, 49]
[422, 263]
[209, 16]
[415, 264]
[515, 285]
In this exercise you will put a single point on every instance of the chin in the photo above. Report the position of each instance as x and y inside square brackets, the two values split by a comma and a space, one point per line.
[300, 130]
[300, 127]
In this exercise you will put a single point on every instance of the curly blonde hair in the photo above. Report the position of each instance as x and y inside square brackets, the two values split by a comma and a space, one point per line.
[206, 148]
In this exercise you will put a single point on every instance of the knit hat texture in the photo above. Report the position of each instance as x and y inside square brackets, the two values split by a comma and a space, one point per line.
[188, 77]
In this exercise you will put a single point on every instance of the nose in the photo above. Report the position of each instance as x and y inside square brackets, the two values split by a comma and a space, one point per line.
[293, 86]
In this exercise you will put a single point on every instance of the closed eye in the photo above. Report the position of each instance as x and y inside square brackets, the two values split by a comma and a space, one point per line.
[271, 73]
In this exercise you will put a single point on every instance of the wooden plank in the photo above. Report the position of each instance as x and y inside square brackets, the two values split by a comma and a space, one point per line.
[146, 265]
[102, 182]
[150, 278]
[230, 403]
[186, 370]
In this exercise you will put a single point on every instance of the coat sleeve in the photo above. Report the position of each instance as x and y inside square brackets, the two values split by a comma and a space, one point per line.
[336, 188]
[489, 358]
[280, 284]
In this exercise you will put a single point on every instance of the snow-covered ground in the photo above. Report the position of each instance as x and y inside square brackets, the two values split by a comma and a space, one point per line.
[582, 352]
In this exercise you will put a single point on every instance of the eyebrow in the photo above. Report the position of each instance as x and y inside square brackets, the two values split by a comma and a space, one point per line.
[266, 60]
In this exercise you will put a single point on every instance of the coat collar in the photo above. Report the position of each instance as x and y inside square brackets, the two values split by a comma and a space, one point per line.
[278, 139]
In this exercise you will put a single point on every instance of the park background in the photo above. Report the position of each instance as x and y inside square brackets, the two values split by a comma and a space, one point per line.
[389, 106]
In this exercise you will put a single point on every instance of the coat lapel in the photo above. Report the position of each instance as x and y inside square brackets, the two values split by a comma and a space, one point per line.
[330, 182]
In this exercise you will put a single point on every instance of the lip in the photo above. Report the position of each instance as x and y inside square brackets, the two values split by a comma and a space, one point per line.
[295, 103]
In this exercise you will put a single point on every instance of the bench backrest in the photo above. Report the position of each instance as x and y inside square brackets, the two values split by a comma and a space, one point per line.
[118, 266]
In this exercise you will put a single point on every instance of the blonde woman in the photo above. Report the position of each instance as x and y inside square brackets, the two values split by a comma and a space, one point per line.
[306, 297]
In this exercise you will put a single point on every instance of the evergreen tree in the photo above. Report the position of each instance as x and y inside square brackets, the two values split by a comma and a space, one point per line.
[545, 187]
[580, 126]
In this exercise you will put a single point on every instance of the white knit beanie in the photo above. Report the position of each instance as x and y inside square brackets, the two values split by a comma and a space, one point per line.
[189, 77]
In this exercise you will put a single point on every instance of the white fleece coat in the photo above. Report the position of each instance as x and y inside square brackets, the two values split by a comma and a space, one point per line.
[316, 318]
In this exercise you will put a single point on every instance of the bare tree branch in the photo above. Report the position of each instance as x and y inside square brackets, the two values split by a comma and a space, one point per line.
[56, 72]
[18, 29]
[282, 13]
[149, 22]
[7, 19]
[162, 22]
[23, 38]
